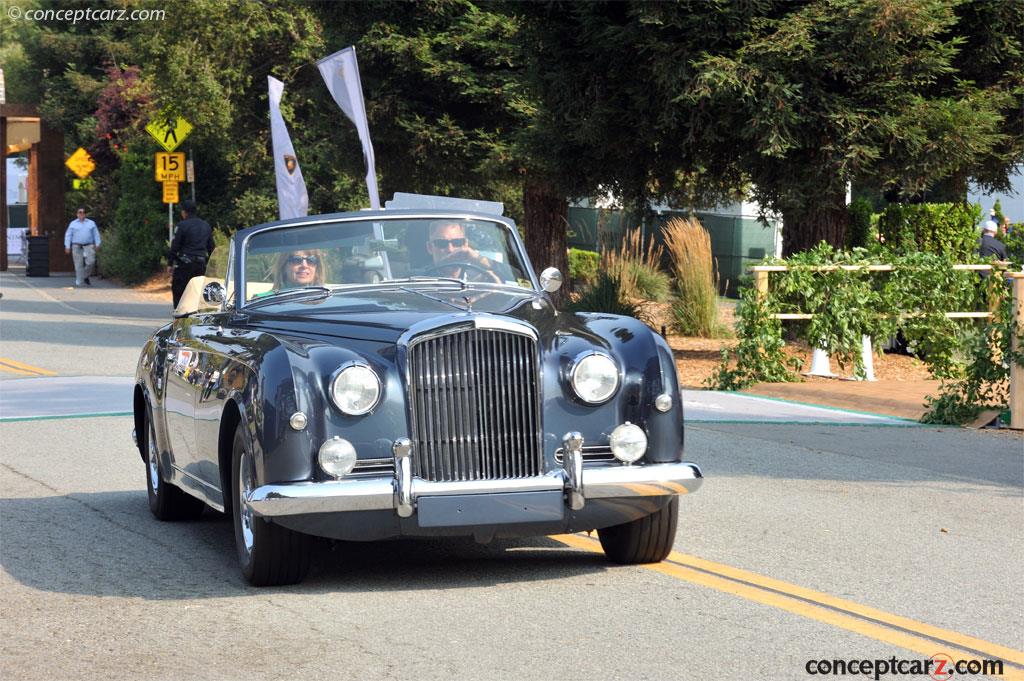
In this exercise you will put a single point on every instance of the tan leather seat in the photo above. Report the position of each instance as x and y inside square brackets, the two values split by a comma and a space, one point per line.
[192, 297]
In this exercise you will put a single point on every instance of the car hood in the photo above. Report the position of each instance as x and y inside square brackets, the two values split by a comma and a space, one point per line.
[383, 315]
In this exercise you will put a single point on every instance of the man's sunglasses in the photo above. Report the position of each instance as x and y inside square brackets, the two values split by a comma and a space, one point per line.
[299, 259]
[444, 243]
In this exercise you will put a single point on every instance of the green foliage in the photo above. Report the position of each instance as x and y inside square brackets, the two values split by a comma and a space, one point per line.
[941, 228]
[858, 232]
[816, 94]
[605, 295]
[1014, 241]
[651, 282]
[913, 298]
[983, 382]
[583, 266]
[758, 356]
[136, 241]
[997, 208]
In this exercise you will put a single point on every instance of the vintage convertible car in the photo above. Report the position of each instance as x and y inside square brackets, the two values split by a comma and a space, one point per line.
[397, 373]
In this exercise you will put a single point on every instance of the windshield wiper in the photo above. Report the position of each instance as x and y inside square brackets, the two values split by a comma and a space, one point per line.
[420, 278]
[304, 292]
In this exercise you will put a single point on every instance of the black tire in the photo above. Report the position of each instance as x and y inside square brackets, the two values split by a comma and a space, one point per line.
[270, 555]
[644, 540]
[166, 501]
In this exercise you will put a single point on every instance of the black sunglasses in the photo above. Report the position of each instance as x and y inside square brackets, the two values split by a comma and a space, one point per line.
[444, 243]
[299, 259]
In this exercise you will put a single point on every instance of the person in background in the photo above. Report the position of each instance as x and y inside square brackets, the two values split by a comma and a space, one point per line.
[82, 240]
[989, 245]
[190, 250]
[1006, 228]
[298, 269]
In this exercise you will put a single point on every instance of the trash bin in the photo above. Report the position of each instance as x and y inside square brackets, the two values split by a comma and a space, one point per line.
[38, 257]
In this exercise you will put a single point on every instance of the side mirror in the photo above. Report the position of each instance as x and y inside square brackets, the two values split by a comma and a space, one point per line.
[551, 280]
[213, 293]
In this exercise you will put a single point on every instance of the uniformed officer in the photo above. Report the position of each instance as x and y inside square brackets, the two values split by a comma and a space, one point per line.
[190, 249]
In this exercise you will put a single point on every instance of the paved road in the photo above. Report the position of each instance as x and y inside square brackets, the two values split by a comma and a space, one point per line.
[806, 542]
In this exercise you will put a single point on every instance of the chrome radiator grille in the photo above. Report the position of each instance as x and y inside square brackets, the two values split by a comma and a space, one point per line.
[474, 406]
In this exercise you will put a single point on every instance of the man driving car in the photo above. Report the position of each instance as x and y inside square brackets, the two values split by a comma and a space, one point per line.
[449, 248]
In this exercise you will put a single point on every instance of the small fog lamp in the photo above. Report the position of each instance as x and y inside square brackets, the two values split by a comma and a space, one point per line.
[337, 457]
[628, 442]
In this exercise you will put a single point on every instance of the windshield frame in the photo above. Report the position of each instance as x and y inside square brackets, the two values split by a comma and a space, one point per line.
[381, 216]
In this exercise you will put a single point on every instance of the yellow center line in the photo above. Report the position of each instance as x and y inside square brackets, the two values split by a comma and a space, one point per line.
[794, 599]
[4, 367]
[21, 367]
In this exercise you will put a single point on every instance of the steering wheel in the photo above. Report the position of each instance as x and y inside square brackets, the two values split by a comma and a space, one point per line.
[462, 268]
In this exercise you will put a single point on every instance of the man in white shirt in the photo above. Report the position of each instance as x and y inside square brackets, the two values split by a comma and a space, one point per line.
[82, 240]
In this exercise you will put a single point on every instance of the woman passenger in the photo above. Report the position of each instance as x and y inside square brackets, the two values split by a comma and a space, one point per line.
[299, 268]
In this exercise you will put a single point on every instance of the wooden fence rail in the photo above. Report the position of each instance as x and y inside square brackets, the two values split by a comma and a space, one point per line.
[761, 273]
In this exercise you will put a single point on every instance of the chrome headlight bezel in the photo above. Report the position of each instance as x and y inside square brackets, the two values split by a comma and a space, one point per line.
[586, 362]
[347, 372]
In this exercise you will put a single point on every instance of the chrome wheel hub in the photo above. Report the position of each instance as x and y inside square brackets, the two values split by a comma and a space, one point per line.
[154, 467]
[245, 487]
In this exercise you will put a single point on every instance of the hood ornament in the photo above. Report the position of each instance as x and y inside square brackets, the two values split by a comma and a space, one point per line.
[469, 303]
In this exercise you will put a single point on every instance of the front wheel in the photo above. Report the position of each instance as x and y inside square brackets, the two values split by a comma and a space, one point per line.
[166, 501]
[270, 555]
[644, 540]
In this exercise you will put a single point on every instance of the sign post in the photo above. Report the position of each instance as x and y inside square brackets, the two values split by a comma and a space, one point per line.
[169, 168]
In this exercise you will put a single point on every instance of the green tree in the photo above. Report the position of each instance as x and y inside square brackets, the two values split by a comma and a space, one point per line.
[825, 92]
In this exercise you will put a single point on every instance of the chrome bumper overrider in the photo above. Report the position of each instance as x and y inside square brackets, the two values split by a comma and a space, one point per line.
[400, 492]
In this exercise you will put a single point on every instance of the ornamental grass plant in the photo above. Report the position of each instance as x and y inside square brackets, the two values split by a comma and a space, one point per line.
[695, 300]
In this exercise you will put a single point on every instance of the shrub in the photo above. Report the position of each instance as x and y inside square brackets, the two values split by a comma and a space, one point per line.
[583, 266]
[1014, 240]
[605, 295]
[941, 228]
[137, 241]
[638, 268]
[695, 304]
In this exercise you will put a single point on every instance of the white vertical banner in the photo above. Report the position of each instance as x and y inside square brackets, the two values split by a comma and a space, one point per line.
[292, 200]
[341, 73]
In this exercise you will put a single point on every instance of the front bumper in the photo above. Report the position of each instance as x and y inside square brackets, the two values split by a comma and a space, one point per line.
[375, 494]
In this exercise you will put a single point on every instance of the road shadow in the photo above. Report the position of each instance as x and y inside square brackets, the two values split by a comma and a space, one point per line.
[108, 544]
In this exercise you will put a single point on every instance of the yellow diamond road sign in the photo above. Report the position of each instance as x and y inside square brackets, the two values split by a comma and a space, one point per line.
[169, 132]
[81, 163]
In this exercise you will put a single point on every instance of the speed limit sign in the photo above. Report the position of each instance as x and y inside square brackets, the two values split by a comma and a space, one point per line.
[169, 167]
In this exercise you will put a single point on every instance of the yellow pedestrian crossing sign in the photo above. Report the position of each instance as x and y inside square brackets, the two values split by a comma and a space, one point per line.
[169, 132]
[81, 163]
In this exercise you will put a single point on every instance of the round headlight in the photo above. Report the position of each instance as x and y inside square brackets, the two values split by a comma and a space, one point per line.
[628, 442]
[356, 389]
[337, 457]
[595, 378]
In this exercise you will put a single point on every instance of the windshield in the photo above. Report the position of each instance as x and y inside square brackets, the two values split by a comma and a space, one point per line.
[357, 253]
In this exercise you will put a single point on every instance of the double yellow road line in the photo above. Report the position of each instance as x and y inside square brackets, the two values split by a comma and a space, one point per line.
[925, 639]
[23, 369]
